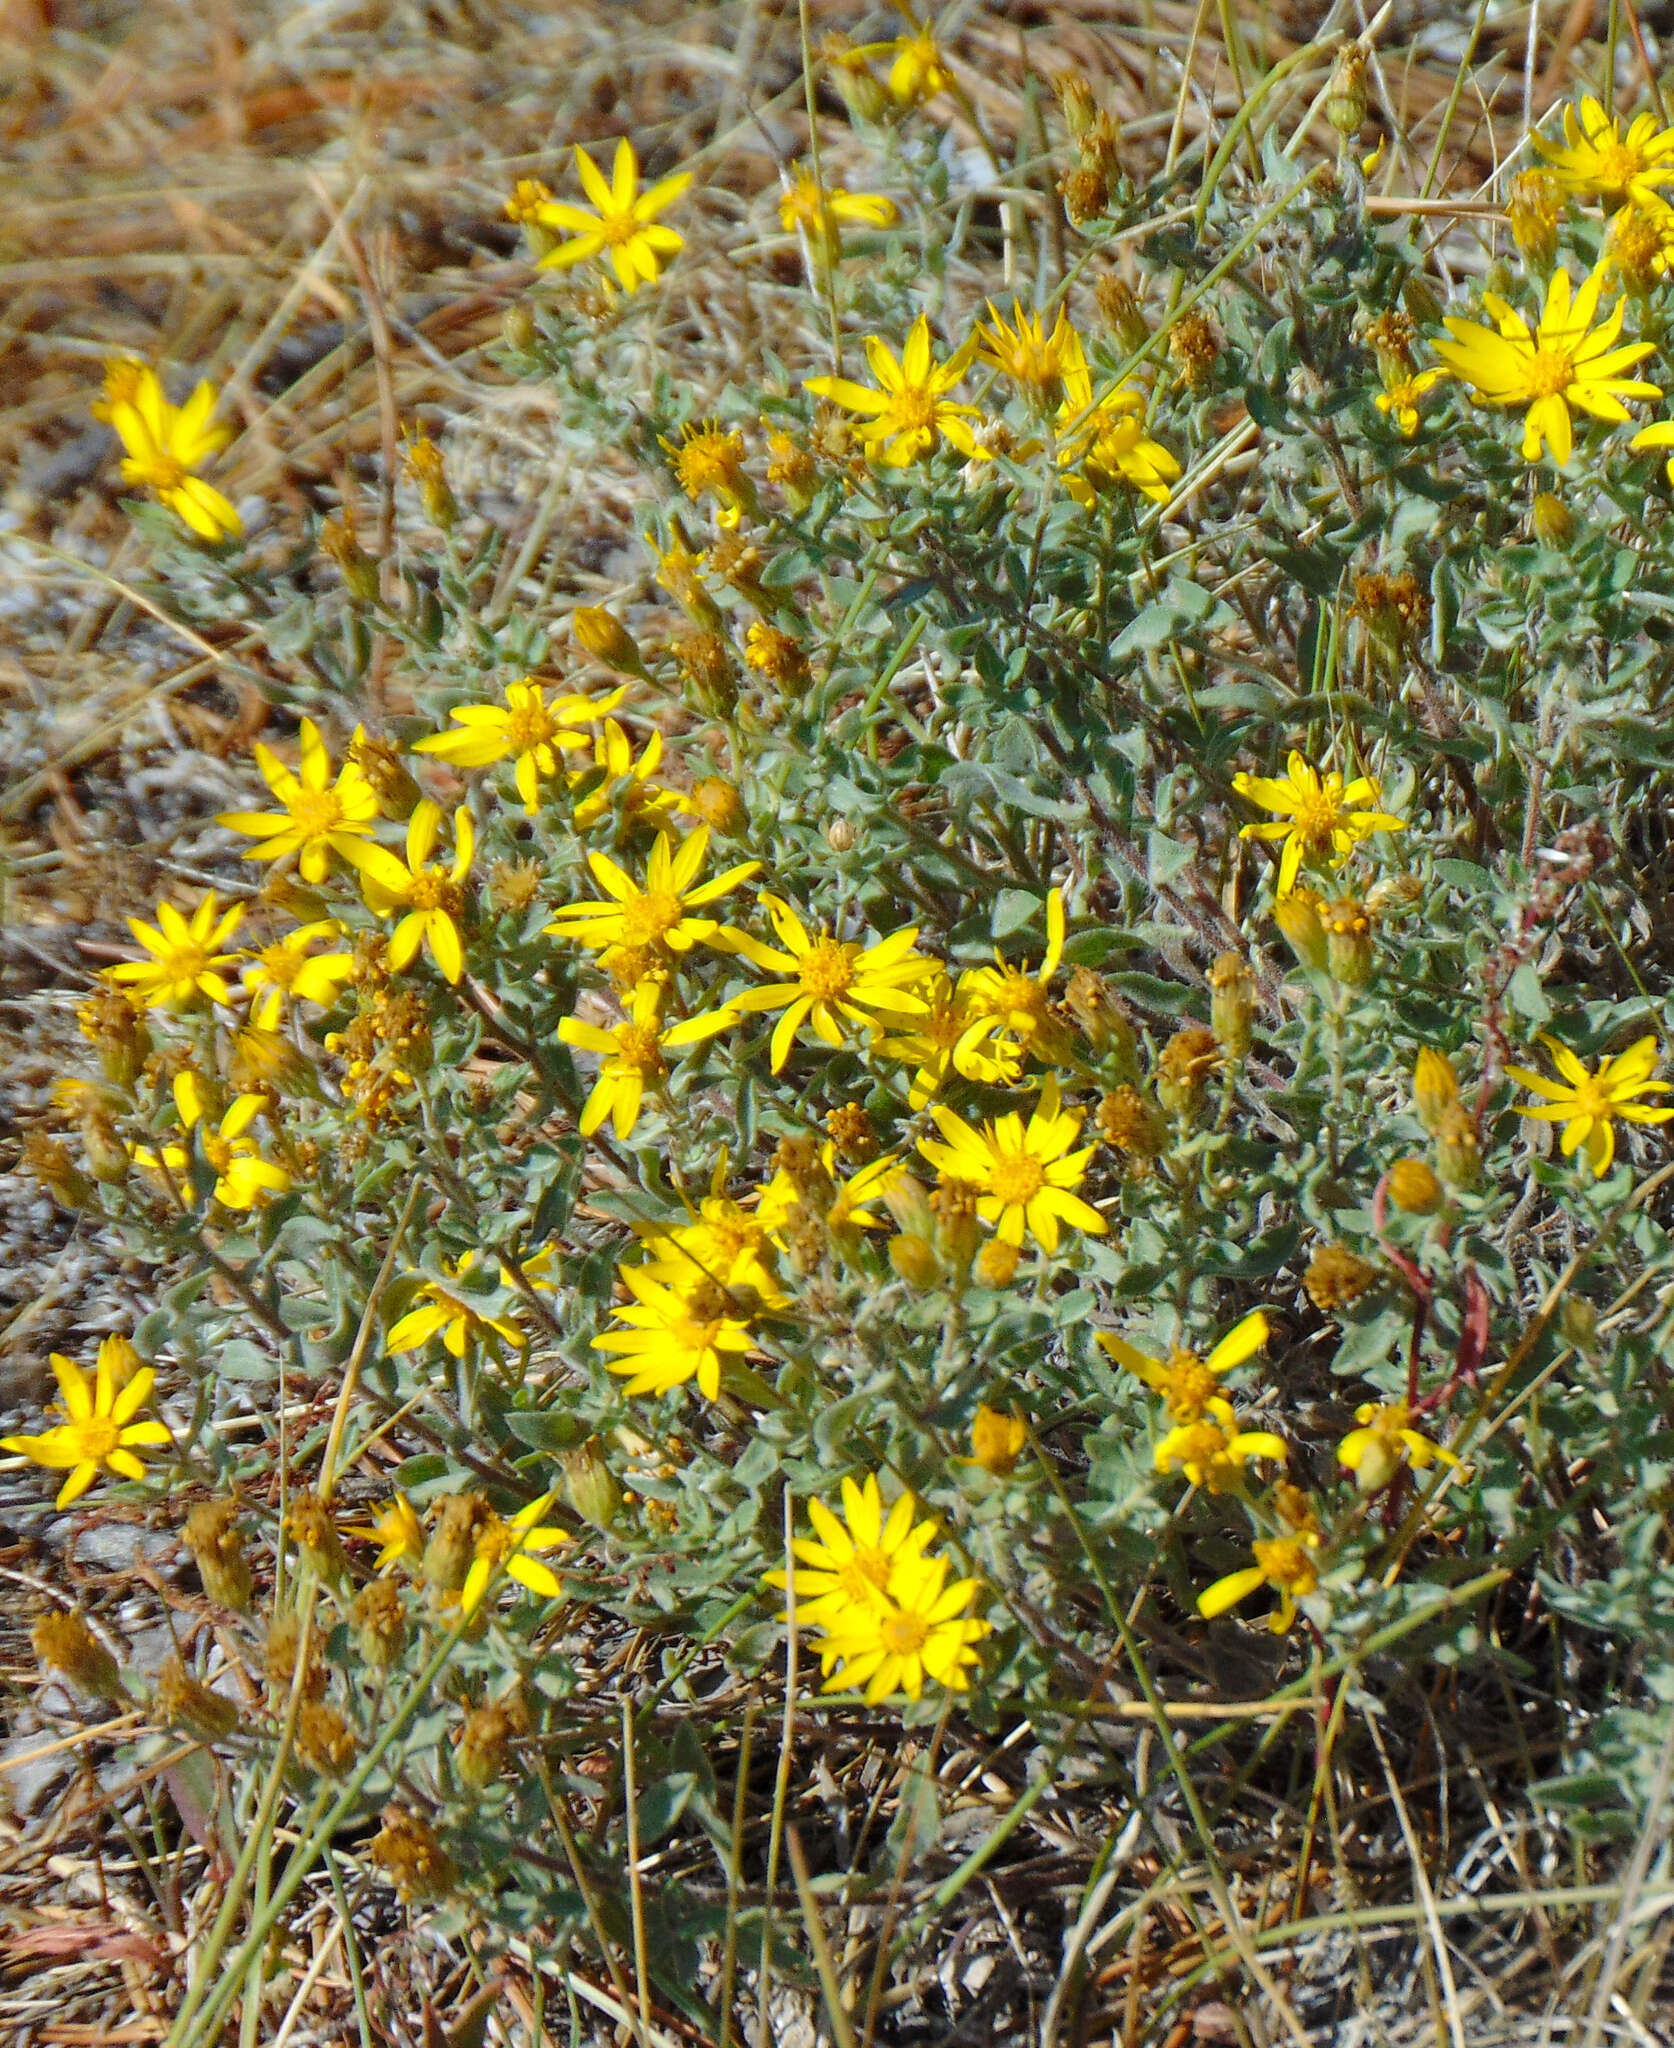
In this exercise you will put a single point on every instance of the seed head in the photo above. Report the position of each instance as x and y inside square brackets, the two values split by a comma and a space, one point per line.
[63, 1642]
[1337, 1278]
[212, 1536]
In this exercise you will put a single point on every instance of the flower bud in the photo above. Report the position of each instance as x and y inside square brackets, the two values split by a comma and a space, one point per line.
[1378, 1464]
[1183, 1069]
[397, 793]
[997, 1263]
[1123, 314]
[997, 1441]
[958, 1232]
[1393, 896]
[407, 1849]
[792, 468]
[1348, 941]
[63, 1642]
[1075, 97]
[1297, 916]
[284, 1652]
[310, 1525]
[1414, 1188]
[107, 1156]
[517, 327]
[607, 639]
[777, 655]
[425, 466]
[118, 1033]
[1435, 1088]
[1337, 1278]
[1458, 1148]
[914, 1259]
[1232, 1002]
[212, 1536]
[589, 1484]
[861, 91]
[340, 544]
[1552, 520]
[324, 1740]
[47, 1160]
[841, 836]
[1102, 1020]
[1345, 95]
[1532, 210]
[380, 1619]
[1419, 298]
[182, 1700]
[1578, 1322]
[717, 802]
[705, 660]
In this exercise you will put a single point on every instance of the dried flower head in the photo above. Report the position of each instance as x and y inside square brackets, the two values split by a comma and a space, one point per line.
[1337, 1278]
[63, 1642]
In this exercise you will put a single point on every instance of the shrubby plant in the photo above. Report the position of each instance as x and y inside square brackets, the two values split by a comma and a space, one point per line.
[995, 1083]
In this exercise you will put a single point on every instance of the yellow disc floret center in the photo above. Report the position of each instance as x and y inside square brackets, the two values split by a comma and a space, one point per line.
[96, 1438]
[649, 918]
[1287, 1564]
[159, 469]
[903, 1635]
[1550, 371]
[1191, 1386]
[1017, 1178]
[914, 409]
[434, 892]
[826, 970]
[316, 812]
[865, 1575]
[528, 726]
[217, 1150]
[637, 1048]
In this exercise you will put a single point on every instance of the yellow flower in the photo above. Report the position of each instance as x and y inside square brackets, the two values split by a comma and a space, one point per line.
[1587, 1105]
[527, 730]
[1212, 1455]
[166, 443]
[431, 897]
[1005, 1003]
[731, 1246]
[838, 1569]
[624, 223]
[674, 1335]
[934, 1045]
[455, 1319]
[320, 817]
[1557, 366]
[1027, 1173]
[997, 1440]
[617, 777]
[1286, 1563]
[845, 1205]
[1321, 817]
[910, 409]
[923, 1630]
[399, 1534]
[289, 967]
[828, 979]
[1400, 398]
[633, 1056]
[502, 1545]
[243, 1178]
[1190, 1385]
[1107, 440]
[1640, 245]
[708, 458]
[1595, 156]
[1386, 1440]
[658, 915]
[803, 205]
[99, 1432]
[1027, 353]
[183, 959]
[528, 196]
[919, 71]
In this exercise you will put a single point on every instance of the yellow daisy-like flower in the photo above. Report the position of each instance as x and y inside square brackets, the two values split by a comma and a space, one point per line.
[431, 898]
[1559, 365]
[320, 817]
[184, 959]
[1385, 1441]
[936, 1046]
[1640, 245]
[624, 224]
[910, 409]
[1595, 156]
[99, 1433]
[1029, 353]
[1190, 1385]
[527, 730]
[528, 196]
[838, 1568]
[243, 1178]
[1401, 399]
[1213, 1455]
[730, 1245]
[709, 458]
[505, 1546]
[1588, 1105]
[1027, 1173]
[828, 979]
[1006, 1003]
[923, 1630]
[1322, 818]
[803, 205]
[291, 967]
[616, 776]
[918, 71]
[1286, 1563]
[1659, 434]
[458, 1321]
[634, 1056]
[674, 1335]
[399, 1534]
[166, 444]
[1103, 445]
[842, 1205]
[658, 915]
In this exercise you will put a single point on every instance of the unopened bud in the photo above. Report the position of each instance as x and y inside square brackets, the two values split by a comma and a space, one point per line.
[1076, 98]
[406, 1848]
[48, 1161]
[310, 1525]
[1578, 1322]
[380, 1619]
[606, 638]
[1458, 1148]
[1232, 1003]
[840, 836]
[424, 464]
[997, 1440]
[1532, 210]
[64, 1642]
[448, 1555]
[1393, 896]
[397, 793]
[914, 1259]
[1183, 1069]
[861, 91]
[324, 1740]
[107, 1156]
[1348, 941]
[997, 1263]
[1435, 1088]
[1297, 916]
[1345, 96]
[1123, 314]
[589, 1484]
[1194, 347]
[480, 1756]
[338, 542]
[1552, 520]
[954, 1206]
[517, 327]
[1414, 1188]
[717, 802]
[1378, 1464]
[118, 1033]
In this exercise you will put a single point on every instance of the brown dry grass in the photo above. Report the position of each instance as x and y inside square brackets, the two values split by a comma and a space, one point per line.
[302, 203]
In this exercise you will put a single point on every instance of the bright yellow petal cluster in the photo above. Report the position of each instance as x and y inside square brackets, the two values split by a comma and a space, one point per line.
[184, 961]
[1008, 1009]
[1321, 817]
[243, 1178]
[1559, 365]
[457, 1320]
[430, 898]
[99, 1433]
[634, 1055]
[398, 1533]
[503, 1546]
[1190, 1385]
[909, 410]
[674, 1334]
[1401, 398]
[1103, 445]
[290, 966]
[656, 915]
[803, 205]
[1596, 157]
[527, 730]
[1384, 1442]
[1589, 1104]
[167, 444]
[617, 777]
[1026, 1172]
[1032, 355]
[319, 817]
[624, 224]
[1212, 1454]
[1286, 1563]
